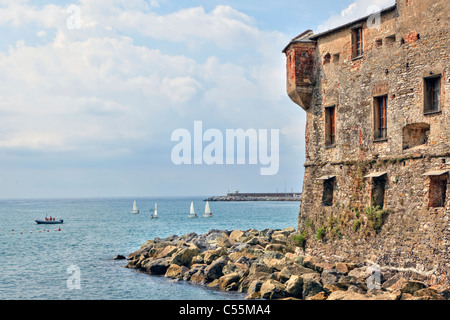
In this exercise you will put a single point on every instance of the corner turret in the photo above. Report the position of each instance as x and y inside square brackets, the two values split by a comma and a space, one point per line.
[300, 57]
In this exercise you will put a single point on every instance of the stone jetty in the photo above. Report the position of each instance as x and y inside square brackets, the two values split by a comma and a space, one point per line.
[271, 264]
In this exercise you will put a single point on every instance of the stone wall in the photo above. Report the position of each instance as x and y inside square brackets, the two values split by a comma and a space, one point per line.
[410, 44]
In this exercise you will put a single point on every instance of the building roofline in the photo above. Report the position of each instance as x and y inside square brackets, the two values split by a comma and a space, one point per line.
[385, 10]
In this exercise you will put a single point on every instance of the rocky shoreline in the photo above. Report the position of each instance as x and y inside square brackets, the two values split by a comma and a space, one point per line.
[270, 264]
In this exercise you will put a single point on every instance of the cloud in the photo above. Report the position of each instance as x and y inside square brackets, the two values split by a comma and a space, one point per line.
[109, 95]
[357, 9]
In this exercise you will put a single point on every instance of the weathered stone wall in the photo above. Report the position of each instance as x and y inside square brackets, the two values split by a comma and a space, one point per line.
[410, 44]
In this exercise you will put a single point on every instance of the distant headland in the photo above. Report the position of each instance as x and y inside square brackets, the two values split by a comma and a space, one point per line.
[237, 196]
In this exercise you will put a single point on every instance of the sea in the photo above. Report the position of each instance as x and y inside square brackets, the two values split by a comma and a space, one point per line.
[74, 260]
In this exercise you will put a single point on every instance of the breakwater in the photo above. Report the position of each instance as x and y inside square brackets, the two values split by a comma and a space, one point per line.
[271, 264]
[257, 197]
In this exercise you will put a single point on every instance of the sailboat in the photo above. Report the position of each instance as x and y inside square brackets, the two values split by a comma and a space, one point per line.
[192, 214]
[208, 213]
[135, 209]
[155, 215]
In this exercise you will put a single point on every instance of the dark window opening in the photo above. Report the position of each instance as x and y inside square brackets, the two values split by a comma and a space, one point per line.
[378, 191]
[432, 94]
[328, 190]
[380, 117]
[357, 42]
[327, 58]
[336, 57]
[330, 126]
[438, 190]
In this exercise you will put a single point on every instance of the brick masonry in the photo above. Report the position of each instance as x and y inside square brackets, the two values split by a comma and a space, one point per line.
[408, 45]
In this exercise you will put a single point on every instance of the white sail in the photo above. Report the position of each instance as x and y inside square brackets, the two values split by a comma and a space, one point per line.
[208, 213]
[191, 212]
[156, 210]
[135, 209]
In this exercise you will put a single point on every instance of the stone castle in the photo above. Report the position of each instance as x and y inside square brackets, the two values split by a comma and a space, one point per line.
[376, 95]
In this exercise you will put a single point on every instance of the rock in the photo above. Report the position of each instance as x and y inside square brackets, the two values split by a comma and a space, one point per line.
[428, 294]
[232, 267]
[320, 296]
[175, 271]
[119, 257]
[157, 267]
[391, 281]
[254, 286]
[214, 270]
[167, 252]
[189, 237]
[411, 286]
[316, 264]
[294, 286]
[194, 269]
[254, 295]
[236, 236]
[347, 295]
[359, 273]
[330, 276]
[293, 268]
[276, 247]
[311, 285]
[183, 257]
[227, 280]
[272, 289]
[260, 267]
[350, 282]
[210, 255]
[342, 267]
[244, 286]
[199, 277]
[245, 261]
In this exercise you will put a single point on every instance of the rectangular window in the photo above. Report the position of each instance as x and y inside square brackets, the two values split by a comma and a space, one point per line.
[380, 117]
[378, 191]
[432, 93]
[357, 42]
[328, 189]
[437, 191]
[330, 126]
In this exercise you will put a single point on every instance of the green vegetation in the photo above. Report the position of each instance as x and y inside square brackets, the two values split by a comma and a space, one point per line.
[376, 217]
[300, 239]
[320, 233]
[356, 225]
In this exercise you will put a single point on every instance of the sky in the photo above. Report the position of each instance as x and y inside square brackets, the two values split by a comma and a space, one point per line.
[91, 92]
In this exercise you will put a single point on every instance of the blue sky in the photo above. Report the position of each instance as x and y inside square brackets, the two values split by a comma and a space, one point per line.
[89, 111]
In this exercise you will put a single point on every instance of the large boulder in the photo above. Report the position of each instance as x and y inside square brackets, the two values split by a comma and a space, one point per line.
[183, 257]
[294, 286]
[158, 266]
[347, 295]
[176, 272]
[311, 285]
[214, 270]
[272, 289]
[229, 281]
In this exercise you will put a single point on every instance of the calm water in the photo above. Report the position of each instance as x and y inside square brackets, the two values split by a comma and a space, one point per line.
[34, 263]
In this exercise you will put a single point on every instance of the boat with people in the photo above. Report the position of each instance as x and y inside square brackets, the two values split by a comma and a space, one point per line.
[192, 213]
[51, 220]
[155, 214]
[135, 209]
[208, 213]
